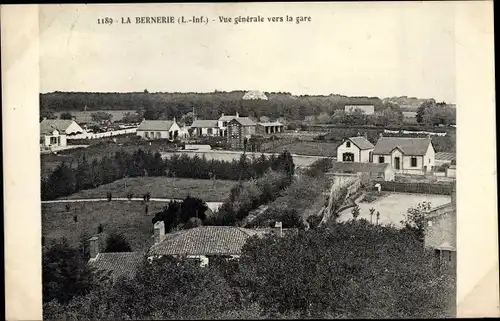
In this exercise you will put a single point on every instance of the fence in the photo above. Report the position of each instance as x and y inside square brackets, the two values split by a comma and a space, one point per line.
[102, 135]
[422, 188]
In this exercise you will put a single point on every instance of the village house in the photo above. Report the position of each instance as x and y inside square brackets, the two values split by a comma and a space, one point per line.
[239, 131]
[223, 121]
[158, 129]
[406, 155]
[205, 242]
[204, 127]
[355, 149]
[375, 171]
[53, 132]
[115, 265]
[441, 231]
[267, 128]
[365, 109]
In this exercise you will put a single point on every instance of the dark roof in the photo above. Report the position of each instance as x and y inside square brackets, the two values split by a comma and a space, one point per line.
[361, 142]
[358, 167]
[124, 264]
[445, 156]
[204, 123]
[227, 117]
[408, 145]
[156, 125]
[206, 240]
[47, 126]
[244, 121]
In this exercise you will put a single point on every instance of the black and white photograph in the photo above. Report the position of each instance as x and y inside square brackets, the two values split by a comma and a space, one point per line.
[248, 161]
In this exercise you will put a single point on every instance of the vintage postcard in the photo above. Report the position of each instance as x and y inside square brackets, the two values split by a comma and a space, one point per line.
[249, 160]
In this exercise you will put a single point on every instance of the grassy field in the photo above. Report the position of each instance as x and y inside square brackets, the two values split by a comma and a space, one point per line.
[327, 149]
[50, 161]
[117, 216]
[162, 187]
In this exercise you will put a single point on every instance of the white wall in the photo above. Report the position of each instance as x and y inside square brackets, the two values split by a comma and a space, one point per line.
[365, 155]
[55, 134]
[344, 149]
[86, 135]
[73, 128]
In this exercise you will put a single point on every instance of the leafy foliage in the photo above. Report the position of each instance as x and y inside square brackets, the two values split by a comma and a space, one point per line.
[117, 243]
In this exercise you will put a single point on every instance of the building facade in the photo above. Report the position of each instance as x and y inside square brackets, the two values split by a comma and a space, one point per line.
[355, 149]
[406, 155]
[205, 127]
[239, 131]
[267, 128]
[159, 129]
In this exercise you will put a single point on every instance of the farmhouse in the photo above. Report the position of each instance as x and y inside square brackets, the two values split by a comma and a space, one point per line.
[365, 109]
[355, 149]
[116, 265]
[441, 231]
[270, 127]
[205, 242]
[375, 171]
[406, 155]
[239, 130]
[53, 132]
[203, 127]
[158, 129]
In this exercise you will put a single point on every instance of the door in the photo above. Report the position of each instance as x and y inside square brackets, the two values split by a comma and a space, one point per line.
[397, 164]
[348, 157]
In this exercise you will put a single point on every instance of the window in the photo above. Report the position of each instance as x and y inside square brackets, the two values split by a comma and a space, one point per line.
[209, 131]
[413, 162]
[53, 140]
[381, 159]
[224, 123]
[158, 135]
[348, 157]
[348, 144]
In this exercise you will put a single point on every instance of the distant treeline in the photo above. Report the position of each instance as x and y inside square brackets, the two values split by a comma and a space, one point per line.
[205, 105]
[65, 180]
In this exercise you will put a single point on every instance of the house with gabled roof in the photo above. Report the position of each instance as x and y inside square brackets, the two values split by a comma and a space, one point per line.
[206, 127]
[407, 155]
[158, 129]
[239, 131]
[53, 132]
[355, 149]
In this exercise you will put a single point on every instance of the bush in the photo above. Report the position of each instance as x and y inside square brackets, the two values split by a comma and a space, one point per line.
[117, 243]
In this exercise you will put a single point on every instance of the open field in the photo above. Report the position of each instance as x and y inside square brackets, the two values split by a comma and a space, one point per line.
[326, 149]
[117, 216]
[393, 206]
[162, 187]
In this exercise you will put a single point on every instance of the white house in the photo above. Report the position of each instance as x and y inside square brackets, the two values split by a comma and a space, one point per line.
[365, 109]
[254, 94]
[355, 149]
[406, 155]
[64, 126]
[159, 129]
[205, 127]
[52, 138]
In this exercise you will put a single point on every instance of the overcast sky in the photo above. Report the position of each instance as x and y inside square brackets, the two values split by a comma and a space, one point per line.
[365, 49]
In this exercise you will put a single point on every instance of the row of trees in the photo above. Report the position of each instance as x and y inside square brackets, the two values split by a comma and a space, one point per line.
[433, 114]
[346, 270]
[206, 105]
[189, 213]
[65, 180]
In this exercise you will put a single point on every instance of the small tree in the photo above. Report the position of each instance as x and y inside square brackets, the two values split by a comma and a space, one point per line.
[372, 211]
[66, 115]
[378, 216]
[415, 220]
[355, 212]
[100, 229]
[109, 196]
[75, 218]
[68, 207]
[146, 209]
[130, 195]
[117, 243]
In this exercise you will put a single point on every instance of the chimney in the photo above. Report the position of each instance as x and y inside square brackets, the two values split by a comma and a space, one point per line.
[94, 247]
[174, 119]
[278, 230]
[359, 134]
[143, 119]
[44, 118]
[222, 115]
[159, 232]
[366, 135]
[237, 115]
[380, 135]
